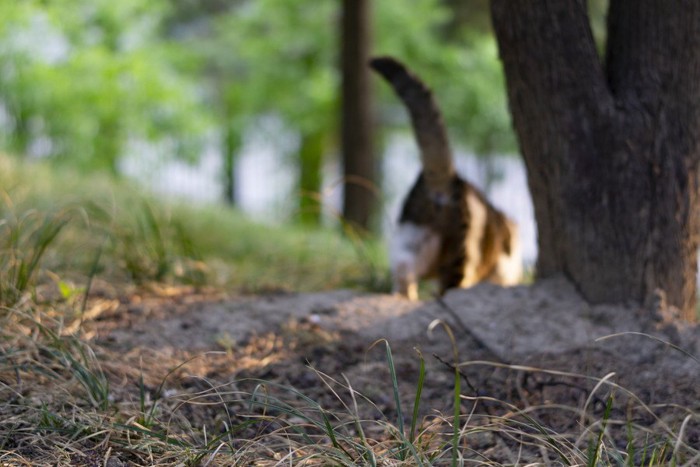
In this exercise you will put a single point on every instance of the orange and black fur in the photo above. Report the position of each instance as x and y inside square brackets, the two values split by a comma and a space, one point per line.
[447, 229]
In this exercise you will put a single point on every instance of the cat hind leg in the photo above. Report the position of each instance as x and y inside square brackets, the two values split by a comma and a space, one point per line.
[413, 255]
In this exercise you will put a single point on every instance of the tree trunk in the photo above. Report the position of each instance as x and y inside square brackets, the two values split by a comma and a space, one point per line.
[232, 144]
[108, 146]
[611, 149]
[357, 116]
[229, 97]
[310, 165]
[20, 134]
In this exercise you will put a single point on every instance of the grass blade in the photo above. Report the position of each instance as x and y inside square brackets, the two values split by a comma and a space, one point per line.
[416, 402]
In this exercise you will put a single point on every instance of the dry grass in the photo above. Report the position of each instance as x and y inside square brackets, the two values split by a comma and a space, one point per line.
[68, 403]
[65, 400]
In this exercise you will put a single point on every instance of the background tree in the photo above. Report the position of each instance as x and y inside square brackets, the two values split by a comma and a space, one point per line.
[357, 119]
[281, 60]
[611, 145]
[277, 59]
[92, 81]
[197, 30]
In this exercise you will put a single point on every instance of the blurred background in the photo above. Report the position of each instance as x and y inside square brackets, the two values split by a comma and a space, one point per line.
[238, 101]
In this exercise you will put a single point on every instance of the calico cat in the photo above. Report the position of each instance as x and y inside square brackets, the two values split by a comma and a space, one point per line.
[447, 229]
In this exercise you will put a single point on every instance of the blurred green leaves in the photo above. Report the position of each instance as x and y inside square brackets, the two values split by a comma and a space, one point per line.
[275, 58]
[81, 80]
[281, 58]
[89, 80]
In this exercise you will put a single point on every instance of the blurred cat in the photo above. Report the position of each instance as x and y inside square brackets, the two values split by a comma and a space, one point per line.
[447, 229]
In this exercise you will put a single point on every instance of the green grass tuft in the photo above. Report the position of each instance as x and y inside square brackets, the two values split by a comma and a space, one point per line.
[24, 240]
[141, 239]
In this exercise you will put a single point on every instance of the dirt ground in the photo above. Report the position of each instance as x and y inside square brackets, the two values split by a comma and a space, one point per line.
[519, 348]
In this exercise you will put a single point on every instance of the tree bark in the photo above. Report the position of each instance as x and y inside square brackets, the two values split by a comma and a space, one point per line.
[611, 146]
[311, 150]
[231, 146]
[229, 98]
[359, 165]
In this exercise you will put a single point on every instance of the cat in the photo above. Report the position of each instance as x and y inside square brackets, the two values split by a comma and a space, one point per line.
[447, 228]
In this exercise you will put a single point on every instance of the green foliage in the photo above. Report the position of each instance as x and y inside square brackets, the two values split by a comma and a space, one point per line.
[90, 81]
[24, 240]
[80, 80]
[281, 58]
[275, 58]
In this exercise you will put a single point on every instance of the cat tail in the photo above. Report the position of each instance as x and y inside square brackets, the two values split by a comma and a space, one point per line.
[426, 118]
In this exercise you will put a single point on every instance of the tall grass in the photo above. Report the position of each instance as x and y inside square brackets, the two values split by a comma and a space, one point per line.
[24, 240]
[57, 229]
[143, 239]
[67, 401]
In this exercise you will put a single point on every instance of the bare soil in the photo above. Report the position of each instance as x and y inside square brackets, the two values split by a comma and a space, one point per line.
[528, 348]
